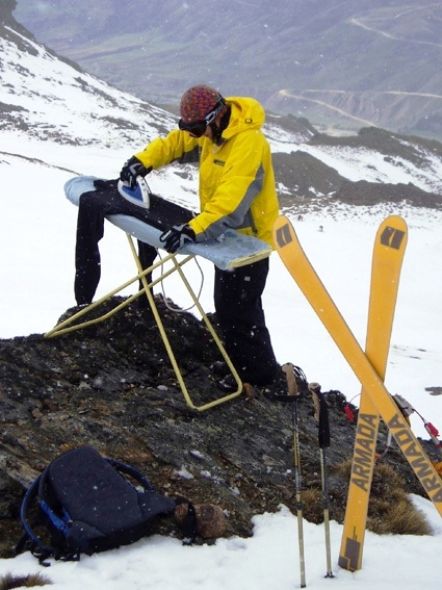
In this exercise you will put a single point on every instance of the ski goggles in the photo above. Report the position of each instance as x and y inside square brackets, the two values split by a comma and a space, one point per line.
[198, 128]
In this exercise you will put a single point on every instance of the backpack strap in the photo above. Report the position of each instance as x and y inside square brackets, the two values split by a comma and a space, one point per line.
[189, 525]
[29, 540]
[132, 472]
[60, 523]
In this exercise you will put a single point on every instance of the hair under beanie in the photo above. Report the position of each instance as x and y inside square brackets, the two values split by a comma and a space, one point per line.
[197, 102]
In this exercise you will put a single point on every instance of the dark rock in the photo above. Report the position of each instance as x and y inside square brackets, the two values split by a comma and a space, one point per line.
[111, 386]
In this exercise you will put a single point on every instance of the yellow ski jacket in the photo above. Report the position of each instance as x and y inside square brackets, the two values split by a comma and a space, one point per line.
[236, 179]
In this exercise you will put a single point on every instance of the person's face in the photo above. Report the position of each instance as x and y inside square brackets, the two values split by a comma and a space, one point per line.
[202, 128]
[208, 132]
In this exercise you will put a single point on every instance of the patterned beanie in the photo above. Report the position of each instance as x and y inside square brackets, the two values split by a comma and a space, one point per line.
[197, 102]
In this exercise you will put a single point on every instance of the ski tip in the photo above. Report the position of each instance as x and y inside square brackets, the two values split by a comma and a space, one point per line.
[283, 232]
[396, 221]
[393, 233]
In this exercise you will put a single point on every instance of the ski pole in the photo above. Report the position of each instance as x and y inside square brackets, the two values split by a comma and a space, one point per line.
[295, 378]
[299, 504]
[407, 409]
[321, 416]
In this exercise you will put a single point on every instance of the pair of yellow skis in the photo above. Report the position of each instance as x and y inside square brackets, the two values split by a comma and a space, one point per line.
[369, 367]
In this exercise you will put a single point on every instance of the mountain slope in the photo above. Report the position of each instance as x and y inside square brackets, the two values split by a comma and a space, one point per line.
[347, 62]
[45, 98]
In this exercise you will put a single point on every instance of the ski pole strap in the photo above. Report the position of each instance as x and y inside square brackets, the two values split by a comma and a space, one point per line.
[297, 383]
[315, 390]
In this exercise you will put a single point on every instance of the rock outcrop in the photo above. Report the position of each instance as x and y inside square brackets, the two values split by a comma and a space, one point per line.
[111, 386]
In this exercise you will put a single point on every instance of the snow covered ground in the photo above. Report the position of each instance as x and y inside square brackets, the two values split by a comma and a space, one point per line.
[267, 560]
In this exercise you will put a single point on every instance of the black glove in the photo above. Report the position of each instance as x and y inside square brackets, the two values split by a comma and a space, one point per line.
[175, 237]
[131, 169]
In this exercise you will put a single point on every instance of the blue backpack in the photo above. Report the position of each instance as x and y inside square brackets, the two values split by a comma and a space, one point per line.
[87, 504]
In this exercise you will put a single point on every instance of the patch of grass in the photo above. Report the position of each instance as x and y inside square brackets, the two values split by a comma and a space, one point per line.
[390, 511]
[312, 505]
[10, 581]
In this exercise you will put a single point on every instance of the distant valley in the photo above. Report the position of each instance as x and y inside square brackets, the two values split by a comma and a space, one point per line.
[343, 64]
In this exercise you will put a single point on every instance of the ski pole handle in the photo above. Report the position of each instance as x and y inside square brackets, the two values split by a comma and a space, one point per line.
[321, 415]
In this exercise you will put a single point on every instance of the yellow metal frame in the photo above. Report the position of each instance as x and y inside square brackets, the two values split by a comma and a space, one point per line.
[70, 325]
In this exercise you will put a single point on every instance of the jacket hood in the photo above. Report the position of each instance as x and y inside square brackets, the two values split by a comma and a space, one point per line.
[247, 113]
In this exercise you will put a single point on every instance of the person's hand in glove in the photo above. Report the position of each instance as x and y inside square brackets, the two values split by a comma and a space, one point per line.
[175, 237]
[131, 169]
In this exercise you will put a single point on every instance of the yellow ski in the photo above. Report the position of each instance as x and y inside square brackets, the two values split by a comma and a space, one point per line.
[388, 252]
[299, 266]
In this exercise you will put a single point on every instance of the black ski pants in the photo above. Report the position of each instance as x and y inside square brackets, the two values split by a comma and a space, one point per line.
[94, 206]
[237, 294]
[240, 315]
